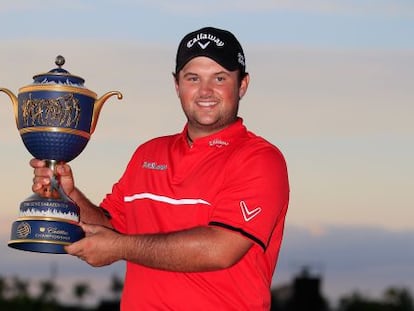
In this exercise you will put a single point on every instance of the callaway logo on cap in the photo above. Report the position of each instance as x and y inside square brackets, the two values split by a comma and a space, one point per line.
[217, 44]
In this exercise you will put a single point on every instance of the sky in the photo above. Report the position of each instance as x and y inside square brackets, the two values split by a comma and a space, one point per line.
[331, 86]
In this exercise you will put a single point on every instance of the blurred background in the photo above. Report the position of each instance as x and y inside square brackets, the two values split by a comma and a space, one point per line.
[331, 86]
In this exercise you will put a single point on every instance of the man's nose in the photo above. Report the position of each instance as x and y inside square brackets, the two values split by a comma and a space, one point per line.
[206, 88]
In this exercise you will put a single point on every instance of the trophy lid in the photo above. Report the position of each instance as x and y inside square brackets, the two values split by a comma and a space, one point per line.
[58, 75]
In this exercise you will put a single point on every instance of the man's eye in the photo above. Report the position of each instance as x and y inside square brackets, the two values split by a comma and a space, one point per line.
[193, 79]
[220, 79]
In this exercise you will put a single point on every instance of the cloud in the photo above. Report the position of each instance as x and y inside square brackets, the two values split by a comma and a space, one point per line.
[354, 7]
[399, 8]
[41, 5]
[349, 93]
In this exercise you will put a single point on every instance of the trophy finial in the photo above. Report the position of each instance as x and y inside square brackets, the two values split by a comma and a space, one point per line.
[60, 61]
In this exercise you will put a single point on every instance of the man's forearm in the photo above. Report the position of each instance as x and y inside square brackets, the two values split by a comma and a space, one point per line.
[89, 212]
[192, 250]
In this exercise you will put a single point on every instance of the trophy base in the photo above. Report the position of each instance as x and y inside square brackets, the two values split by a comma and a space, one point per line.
[44, 236]
[46, 225]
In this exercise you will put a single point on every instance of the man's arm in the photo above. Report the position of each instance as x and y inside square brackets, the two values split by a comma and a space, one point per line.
[194, 250]
[89, 212]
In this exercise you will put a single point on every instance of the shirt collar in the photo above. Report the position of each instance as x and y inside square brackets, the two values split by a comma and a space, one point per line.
[220, 139]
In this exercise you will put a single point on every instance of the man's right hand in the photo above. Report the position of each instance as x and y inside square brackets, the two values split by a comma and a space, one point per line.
[43, 176]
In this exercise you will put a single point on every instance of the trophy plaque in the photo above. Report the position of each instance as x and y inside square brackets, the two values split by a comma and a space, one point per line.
[56, 116]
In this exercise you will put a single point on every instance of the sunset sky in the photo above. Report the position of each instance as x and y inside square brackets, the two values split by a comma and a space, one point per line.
[331, 85]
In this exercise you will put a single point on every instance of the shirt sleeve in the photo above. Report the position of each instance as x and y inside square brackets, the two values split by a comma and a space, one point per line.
[255, 194]
[113, 205]
[113, 202]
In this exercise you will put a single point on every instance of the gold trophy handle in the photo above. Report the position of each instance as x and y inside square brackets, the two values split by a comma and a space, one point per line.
[15, 103]
[98, 106]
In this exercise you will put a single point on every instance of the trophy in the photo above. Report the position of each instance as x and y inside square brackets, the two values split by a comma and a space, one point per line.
[56, 116]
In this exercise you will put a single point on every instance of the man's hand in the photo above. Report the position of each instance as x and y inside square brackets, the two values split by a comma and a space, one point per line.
[43, 176]
[100, 247]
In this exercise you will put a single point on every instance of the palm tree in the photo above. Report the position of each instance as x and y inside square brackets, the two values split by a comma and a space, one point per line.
[20, 288]
[20, 298]
[4, 287]
[48, 291]
[116, 286]
[399, 298]
[80, 290]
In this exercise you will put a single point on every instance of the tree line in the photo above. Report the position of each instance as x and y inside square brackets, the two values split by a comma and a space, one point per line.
[303, 294]
[16, 296]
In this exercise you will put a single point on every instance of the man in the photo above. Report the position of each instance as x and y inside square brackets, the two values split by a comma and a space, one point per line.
[199, 215]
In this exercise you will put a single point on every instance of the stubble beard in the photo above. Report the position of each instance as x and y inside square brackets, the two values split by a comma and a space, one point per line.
[222, 121]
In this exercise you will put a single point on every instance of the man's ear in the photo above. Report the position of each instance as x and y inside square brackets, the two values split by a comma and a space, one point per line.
[175, 77]
[244, 85]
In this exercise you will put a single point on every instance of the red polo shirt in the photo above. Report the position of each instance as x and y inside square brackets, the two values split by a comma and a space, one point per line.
[232, 179]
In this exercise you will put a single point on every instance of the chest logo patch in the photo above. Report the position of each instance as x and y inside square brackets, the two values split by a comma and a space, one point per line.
[154, 166]
[247, 213]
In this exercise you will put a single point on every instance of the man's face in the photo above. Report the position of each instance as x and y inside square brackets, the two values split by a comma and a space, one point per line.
[209, 95]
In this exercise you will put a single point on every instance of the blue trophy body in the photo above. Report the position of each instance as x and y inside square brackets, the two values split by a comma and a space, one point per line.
[55, 116]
